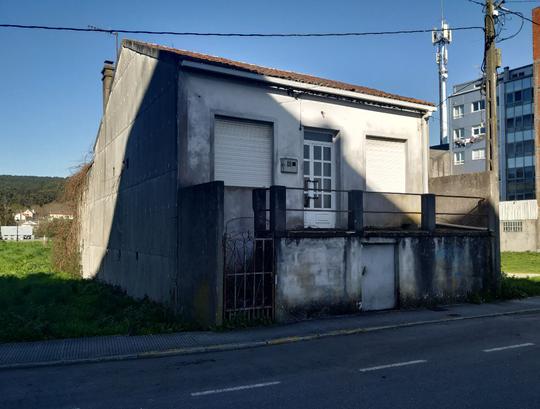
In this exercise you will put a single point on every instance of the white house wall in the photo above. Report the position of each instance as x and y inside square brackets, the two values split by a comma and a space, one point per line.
[207, 96]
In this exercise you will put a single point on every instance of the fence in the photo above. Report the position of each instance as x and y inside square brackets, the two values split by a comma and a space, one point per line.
[248, 277]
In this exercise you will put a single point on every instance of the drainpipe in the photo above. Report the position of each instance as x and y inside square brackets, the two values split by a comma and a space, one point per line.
[107, 74]
[425, 150]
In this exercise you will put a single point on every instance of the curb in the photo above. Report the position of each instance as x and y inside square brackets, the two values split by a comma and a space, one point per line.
[257, 344]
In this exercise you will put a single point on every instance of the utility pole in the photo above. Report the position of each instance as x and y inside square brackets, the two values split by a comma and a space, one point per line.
[442, 38]
[492, 61]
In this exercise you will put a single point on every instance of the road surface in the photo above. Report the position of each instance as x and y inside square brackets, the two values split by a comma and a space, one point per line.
[483, 363]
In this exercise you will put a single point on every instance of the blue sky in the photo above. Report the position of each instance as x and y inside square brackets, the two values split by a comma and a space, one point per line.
[51, 84]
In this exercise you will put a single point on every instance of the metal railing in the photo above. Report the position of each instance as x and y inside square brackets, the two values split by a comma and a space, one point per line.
[360, 209]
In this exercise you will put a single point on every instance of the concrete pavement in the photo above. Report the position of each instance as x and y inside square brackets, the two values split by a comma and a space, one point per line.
[110, 348]
[477, 363]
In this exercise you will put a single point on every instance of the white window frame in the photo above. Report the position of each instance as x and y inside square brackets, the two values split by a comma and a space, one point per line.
[478, 154]
[460, 161]
[457, 109]
[460, 131]
[477, 130]
[479, 102]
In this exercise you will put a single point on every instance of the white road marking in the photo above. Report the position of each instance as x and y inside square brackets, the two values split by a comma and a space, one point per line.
[528, 344]
[398, 364]
[235, 388]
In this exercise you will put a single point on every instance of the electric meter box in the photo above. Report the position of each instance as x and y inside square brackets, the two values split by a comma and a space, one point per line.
[289, 165]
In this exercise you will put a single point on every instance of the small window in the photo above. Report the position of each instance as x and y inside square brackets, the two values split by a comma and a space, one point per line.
[459, 133]
[478, 154]
[478, 130]
[458, 111]
[459, 158]
[478, 105]
[513, 226]
[527, 95]
[510, 98]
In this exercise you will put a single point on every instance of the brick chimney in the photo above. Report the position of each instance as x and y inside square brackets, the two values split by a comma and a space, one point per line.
[107, 74]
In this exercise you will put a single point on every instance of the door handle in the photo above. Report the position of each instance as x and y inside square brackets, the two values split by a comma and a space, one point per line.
[364, 270]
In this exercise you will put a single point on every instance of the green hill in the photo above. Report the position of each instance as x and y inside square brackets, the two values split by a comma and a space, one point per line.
[27, 191]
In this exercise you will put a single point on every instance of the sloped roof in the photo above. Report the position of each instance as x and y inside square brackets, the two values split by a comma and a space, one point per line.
[272, 72]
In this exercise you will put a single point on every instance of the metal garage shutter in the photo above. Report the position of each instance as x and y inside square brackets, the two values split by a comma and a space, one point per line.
[243, 153]
[385, 165]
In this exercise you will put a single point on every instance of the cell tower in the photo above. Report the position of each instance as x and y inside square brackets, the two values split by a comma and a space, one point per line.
[442, 38]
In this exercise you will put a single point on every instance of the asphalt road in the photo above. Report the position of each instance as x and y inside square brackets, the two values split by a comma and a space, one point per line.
[488, 363]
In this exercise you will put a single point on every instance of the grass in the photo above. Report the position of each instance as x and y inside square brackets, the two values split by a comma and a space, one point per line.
[513, 286]
[38, 303]
[520, 263]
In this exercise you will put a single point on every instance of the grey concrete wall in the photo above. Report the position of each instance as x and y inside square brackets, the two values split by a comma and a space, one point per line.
[525, 240]
[317, 276]
[324, 275]
[200, 277]
[129, 220]
[442, 268]
[472, 184]
[440, 163]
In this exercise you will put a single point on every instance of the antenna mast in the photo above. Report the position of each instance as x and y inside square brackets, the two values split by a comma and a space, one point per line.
[442, 38]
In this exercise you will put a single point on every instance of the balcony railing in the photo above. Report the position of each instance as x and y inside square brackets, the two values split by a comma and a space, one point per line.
[358, 210]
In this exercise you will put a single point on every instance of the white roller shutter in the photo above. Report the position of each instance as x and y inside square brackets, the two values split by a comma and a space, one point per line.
[385, 165]
[243, 153]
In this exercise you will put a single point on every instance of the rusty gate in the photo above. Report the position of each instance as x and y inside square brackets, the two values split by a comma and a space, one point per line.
[248, 277]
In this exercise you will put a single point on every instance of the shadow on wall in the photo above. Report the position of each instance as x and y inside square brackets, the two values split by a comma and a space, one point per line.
[129, 216]
[150, 142]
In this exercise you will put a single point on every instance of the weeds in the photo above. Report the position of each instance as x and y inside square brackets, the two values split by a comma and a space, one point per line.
[38, 303]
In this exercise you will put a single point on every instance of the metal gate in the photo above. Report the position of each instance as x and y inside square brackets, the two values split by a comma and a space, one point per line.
[248, 277]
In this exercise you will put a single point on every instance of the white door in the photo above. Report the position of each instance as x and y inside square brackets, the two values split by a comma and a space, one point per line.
[378, 278]
[319, 200]
[243, 152]
[385, 165]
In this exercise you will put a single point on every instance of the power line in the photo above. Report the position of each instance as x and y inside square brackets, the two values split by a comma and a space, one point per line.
[214, 34]
[520, 15]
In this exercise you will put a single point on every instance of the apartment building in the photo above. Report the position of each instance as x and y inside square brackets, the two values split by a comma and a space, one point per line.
[467, 119]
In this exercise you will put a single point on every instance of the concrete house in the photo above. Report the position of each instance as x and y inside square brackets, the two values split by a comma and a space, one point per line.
[225, 189]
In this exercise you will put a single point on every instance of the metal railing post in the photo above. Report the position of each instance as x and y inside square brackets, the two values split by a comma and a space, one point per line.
[428, 222]
[278, 212]
[356, 210]
[258, 197]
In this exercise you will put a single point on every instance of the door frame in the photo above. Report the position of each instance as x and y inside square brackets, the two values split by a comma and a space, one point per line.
[333, 177]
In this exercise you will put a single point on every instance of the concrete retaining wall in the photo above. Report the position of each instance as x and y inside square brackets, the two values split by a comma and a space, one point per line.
[443, 268]
[325, 275]
[319, 275]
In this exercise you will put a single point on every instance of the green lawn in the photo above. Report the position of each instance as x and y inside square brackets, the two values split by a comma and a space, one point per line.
[38, 303]
[520, 263]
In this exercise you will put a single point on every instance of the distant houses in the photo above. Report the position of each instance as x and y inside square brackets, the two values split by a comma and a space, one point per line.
[26, 221]
[17, 233]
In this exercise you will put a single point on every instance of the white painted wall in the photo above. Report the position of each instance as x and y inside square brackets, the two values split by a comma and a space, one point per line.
[206, 96]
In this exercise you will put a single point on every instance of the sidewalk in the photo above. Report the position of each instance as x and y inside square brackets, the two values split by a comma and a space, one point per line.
[110, 348]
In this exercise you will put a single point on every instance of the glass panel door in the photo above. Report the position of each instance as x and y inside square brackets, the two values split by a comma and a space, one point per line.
[318, 183]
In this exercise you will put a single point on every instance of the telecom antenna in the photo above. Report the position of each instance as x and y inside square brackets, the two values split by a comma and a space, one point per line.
[442, 38]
